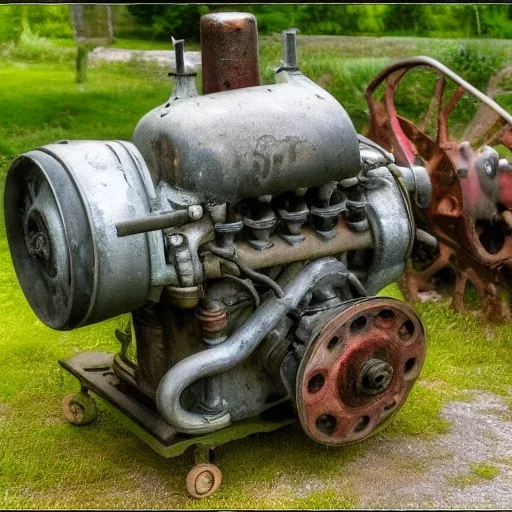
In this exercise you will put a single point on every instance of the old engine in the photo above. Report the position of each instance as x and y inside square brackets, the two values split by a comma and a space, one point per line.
[247, 230]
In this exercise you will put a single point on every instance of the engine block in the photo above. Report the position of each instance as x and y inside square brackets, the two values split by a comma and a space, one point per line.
[247, 230]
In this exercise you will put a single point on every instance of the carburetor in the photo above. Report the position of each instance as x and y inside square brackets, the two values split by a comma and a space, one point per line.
[247, 230]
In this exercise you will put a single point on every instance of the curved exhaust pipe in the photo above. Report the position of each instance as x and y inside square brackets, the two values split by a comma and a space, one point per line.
[227, 355]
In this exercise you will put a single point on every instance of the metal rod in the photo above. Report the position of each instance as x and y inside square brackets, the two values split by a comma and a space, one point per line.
[289, 48]
[152, 223]
[180, 56]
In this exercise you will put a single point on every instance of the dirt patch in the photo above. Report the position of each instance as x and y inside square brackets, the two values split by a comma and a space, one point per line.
[4, 410]
[427, 473]
[162, 57]
[420, 473]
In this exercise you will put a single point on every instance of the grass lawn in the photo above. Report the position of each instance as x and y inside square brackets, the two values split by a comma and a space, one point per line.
[45, 462]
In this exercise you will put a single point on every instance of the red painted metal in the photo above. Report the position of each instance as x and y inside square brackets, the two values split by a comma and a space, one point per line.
[335, 408]
[470, 211]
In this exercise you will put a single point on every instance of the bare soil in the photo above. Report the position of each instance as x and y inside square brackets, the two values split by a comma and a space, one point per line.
[424, 473]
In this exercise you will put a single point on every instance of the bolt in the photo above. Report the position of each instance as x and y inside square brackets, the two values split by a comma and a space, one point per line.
[195, 212]
[39, 245]
[176, 240]
[375, 376]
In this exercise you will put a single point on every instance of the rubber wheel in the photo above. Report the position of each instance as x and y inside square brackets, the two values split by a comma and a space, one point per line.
[203, 480]
[79, 409]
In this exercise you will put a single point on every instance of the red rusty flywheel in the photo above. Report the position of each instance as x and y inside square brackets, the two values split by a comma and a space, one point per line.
[359, 370]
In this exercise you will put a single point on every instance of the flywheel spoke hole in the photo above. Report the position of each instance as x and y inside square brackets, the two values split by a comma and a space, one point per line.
[410, 365]
[333, 342]
[326, 423]
[316, 383]
[38, 241]
[362, 423]
[390, 406]
[406, 330]
[358, 324]
[386, 314]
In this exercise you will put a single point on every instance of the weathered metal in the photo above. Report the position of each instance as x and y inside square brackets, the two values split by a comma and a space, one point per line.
[282, 253]
[469, 211]
[359, 369]
[249, 142]
[230, 56]
[162, 220]
[233, 351]
[238, 228]
[64, 240]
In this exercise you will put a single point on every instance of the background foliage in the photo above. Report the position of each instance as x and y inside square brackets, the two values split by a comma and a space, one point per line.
[159, 21]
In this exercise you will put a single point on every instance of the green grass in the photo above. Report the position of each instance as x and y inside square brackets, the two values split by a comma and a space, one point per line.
[150, 44]
[46, 463]
[485, 470]
[479, 473]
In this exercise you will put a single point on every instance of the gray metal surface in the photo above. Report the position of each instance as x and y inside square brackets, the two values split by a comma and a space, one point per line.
[234, 350]
[250, 142]
[392, 223]
[79, 191]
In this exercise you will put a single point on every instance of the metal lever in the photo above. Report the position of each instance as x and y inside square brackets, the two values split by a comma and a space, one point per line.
[158, 221]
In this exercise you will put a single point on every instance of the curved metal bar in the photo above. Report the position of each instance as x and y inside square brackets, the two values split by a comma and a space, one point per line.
[428, 61]
[223, 357]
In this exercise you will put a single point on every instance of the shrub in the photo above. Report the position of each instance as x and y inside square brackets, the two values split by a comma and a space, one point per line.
[10, 22]
[180, 21]
[474, 63]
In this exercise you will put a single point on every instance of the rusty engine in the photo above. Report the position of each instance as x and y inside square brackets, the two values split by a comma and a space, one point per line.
[470, 211]
[247, 230]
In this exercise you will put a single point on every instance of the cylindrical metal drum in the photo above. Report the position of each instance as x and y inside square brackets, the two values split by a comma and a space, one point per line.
[62, 202]
[250, 142]
[229, 48]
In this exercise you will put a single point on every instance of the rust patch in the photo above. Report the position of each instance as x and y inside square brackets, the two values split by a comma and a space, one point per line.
[213, 321]
[229, 46]
[168, 161]
[359, 370]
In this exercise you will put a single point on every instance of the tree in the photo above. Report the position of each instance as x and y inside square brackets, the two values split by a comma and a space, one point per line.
[92, 26]
[180, 21]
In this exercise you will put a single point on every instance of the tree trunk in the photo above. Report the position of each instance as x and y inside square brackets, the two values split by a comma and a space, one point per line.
[92, 26]
[81, 63]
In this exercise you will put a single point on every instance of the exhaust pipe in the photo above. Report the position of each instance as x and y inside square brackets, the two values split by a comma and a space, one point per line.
[227, 355]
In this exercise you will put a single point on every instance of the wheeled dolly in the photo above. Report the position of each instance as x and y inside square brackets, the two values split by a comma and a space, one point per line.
[138, 413]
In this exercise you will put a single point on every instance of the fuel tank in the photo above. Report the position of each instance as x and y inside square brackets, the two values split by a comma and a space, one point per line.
[249, 142]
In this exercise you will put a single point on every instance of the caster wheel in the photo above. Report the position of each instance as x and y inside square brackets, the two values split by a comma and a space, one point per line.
[203, 480]
[79, 409]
